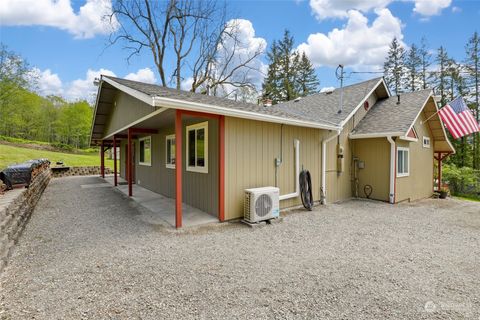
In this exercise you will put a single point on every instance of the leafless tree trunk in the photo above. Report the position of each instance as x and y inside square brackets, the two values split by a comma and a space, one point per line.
[195, 33]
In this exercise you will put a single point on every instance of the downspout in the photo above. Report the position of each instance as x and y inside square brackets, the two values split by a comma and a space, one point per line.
[392, 169]
[323, 196]
[296, 145]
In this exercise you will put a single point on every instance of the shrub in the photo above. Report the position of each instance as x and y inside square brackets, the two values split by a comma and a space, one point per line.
[463, 180]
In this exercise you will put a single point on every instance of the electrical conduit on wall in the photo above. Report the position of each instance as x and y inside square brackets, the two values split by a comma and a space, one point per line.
[324, 166]
[392, 169]
[296, 145]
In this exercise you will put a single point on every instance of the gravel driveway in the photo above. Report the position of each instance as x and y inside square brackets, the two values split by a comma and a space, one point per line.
[91, 253]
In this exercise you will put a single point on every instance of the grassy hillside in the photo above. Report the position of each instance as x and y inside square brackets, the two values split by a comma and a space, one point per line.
[14, 154]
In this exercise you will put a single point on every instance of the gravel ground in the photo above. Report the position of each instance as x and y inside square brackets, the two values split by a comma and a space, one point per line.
[90, 253]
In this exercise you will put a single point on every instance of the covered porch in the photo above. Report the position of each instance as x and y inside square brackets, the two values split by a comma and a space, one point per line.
[172, 163]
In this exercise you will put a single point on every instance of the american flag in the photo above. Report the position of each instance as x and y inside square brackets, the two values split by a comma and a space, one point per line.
[458, 118]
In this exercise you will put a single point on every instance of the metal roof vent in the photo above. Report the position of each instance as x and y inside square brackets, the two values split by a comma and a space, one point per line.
[297, 99]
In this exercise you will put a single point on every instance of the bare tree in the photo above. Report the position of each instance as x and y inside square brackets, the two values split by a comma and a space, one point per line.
[205, 47]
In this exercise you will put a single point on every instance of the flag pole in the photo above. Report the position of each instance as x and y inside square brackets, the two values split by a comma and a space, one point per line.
[422, 122]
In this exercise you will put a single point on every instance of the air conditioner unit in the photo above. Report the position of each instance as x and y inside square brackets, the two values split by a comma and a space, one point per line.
[261, 204]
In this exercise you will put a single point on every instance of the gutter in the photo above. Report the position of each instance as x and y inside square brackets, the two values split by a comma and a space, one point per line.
[323, 195]
[392, 169]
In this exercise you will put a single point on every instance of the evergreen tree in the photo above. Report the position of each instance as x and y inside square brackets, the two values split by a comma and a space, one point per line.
[307, 81]
[394, 67]
[413, 64]
[425, 58]
[443, 61]
[472, 65]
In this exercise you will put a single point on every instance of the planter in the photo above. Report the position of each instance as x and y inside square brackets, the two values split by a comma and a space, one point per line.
[443, 194]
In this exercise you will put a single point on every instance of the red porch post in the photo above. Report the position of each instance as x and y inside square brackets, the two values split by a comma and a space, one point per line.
[115, 161]
[178, 169]
[439, 171]
[102, 159]
[129, 162]
[221, 174]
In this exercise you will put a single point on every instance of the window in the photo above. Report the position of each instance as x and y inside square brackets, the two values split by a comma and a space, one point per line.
[170, 151]
[197, 147]
[426, 142]
[145, 151]
[403, 162]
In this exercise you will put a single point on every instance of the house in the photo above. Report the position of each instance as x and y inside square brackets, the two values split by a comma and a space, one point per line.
[204, 151]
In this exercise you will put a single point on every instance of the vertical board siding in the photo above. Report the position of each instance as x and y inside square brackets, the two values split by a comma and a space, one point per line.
[375, 153]
[200, 190]
[340, 184]
[126, 110]
[419, 183]
[250, 151]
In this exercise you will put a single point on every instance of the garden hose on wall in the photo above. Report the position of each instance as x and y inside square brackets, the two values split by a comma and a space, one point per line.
[306, 189]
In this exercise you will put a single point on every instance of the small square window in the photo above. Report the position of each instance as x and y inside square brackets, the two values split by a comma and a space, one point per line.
[145, 151]
[403, 162]
[426, 142]
[170, 151]
[197, 147]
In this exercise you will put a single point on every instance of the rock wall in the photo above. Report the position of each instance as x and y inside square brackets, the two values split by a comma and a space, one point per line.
[79, 171]
[15, 214]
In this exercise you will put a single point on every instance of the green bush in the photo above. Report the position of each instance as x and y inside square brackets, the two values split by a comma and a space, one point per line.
[465, 180]
[62, 146]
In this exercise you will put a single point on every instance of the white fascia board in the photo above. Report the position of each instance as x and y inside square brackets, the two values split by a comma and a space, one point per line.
[99, 90]
[420, 112]
[405, 138]
[208, 108]
[134, 93]
[363, 101]
[375, 135]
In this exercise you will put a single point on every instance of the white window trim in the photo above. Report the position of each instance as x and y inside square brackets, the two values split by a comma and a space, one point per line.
[429, 142]
[404, 174]
[169, 137]
[201, 125]
[147, 164]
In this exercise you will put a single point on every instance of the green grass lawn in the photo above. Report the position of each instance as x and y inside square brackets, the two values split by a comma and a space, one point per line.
[11, 155]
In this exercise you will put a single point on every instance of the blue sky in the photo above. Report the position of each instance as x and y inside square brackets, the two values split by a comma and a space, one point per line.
[64, 40]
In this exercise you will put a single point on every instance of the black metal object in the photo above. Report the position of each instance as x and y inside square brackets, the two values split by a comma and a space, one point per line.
[21, 174]
[306, 189]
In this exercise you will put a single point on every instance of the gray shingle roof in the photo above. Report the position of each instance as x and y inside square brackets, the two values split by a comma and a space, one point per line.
[325, 106]
[153, 90]
[386, 116]
[321, 108]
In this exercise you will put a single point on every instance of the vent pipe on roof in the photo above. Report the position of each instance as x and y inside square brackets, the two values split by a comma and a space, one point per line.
[398, 99]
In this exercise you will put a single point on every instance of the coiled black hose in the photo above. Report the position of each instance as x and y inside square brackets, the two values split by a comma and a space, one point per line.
[306, 189]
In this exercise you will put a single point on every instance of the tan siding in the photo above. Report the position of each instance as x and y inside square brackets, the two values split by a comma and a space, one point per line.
[250, 151]
[419, 184]
[375, 153]
[126, 110]
[340, 185]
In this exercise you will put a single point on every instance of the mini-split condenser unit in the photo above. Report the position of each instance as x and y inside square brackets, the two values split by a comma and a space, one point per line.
[261, 204]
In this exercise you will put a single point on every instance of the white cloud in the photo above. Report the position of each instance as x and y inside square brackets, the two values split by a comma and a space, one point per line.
[143, 75]
[430, 7]
[80, 89]
[323, 9]
[456, 9]
[327, 89]
[47, 82]
[244, 47]
[358, 44]
[91, 19]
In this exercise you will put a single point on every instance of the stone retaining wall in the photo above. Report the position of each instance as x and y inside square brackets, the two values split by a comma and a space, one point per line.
[14, 216]
[80, 171]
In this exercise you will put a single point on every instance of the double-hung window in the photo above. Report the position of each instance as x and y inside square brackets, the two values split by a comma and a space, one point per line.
[145, 151]
[170, 151]
[403, 162]
[197, 147]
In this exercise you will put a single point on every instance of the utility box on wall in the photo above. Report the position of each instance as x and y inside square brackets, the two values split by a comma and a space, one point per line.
[340, 158]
